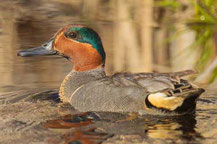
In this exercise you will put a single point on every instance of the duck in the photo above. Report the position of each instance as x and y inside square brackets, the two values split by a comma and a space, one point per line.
[88, 88]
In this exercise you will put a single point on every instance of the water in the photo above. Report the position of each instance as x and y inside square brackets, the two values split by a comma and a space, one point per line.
[26, 24]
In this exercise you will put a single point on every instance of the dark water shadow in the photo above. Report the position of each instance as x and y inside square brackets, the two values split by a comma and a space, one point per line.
[33, 96]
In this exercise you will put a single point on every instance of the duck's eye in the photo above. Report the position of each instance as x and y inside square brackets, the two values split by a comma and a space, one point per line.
[72, 35]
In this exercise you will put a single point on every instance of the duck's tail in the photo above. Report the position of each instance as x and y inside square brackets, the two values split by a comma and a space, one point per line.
[181, 100]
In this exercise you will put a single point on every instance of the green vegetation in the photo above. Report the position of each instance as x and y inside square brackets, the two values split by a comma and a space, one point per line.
[203, 22]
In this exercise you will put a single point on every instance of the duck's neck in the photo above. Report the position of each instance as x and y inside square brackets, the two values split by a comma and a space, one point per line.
[75, 79]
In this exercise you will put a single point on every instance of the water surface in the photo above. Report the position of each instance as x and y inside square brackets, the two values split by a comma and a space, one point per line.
[26, 24]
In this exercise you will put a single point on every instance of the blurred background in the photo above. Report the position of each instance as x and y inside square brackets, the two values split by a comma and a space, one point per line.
[138, 36]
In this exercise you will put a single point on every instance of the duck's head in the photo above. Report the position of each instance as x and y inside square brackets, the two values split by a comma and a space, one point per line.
[81, 45]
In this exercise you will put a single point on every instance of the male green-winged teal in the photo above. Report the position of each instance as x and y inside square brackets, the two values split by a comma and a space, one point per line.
[88, 88]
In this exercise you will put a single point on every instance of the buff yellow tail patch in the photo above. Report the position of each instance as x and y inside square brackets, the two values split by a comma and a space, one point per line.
[161, 100]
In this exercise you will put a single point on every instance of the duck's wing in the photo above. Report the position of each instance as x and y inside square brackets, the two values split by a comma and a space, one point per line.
[168, 91]
[153, 82]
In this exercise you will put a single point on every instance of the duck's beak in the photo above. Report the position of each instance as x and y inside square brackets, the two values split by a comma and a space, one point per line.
[45, 49]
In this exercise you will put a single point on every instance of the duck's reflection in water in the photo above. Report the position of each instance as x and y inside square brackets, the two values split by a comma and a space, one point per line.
[95, 127]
